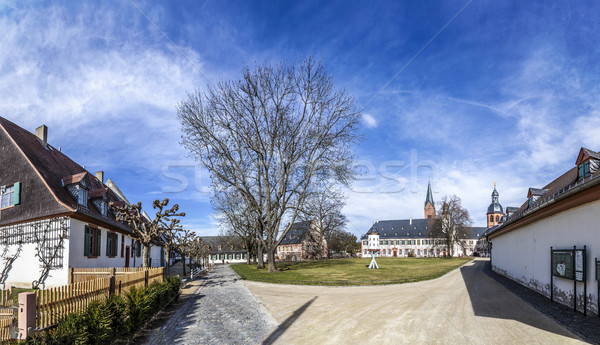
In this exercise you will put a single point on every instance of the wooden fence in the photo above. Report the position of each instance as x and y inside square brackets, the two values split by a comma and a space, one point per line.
[77, 275]
[54, 304]
[7, 316]
[90, 284]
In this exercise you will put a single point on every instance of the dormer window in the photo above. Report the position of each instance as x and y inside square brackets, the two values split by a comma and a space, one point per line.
[83, 196]
[103, 208]
[584, 170]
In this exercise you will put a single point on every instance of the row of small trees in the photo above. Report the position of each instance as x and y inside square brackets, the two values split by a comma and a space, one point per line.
[164, 228]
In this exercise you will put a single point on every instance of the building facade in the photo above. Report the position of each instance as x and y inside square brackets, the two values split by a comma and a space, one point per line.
[54, 214]
[561, 215]
[224, 250]
[302, 242]
[411, 237]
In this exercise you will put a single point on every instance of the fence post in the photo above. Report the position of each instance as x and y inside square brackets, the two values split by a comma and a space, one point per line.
[26, 314]
[146, 278]
[71, 275]
[111, 290]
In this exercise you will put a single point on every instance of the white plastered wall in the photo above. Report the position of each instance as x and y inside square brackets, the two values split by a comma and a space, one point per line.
[524, 254]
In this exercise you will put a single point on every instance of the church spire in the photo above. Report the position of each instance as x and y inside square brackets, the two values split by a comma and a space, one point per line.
[429, 204]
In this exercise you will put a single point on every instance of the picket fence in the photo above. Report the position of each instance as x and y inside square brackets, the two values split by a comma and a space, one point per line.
[77, 275]
[54, 304]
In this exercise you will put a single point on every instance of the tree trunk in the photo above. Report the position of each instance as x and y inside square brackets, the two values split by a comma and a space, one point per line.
[145, 256]
[271, 259]
[183, 258]
[248, 253]
[167, 266]
[259, 254]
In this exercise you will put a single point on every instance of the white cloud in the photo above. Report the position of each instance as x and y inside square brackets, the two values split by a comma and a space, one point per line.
[369, 120]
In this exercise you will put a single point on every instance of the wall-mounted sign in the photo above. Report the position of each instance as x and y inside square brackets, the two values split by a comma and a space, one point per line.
[598, 275]
[562, 264]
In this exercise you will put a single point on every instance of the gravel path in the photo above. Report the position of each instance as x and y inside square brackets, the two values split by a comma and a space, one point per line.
[222, 311]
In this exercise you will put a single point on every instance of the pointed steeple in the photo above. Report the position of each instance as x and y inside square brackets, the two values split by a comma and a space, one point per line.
[429, 204]
[429, 198]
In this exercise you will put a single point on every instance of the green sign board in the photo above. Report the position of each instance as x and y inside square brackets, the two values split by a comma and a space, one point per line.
[562, 264]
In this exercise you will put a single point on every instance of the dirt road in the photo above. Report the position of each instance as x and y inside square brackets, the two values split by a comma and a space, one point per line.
[463, 307]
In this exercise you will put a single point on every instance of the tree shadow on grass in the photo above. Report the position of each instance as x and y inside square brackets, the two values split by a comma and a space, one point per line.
[287, 323]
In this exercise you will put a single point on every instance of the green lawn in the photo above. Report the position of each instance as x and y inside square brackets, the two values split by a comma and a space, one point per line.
[352, 271]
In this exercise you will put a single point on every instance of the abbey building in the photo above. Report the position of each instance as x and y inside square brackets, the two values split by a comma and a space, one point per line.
[411, 237]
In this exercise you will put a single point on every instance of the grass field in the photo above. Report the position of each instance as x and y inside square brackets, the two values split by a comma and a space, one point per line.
[352, 271]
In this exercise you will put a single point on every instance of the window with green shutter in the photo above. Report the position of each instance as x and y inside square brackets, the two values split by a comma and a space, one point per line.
[91, 242]
[108, 244]
[112, 241]
[99, 241]
[86, 243]
[10, 195]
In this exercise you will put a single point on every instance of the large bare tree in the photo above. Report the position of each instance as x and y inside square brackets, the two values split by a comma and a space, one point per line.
[324, 208]
[147, 230]
[451, 226]
[271, 135]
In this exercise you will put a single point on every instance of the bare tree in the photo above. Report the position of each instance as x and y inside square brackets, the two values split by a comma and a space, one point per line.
[451, 226]
[236, 220]
[169, 229]
[146, 230]
[199, 250]
[342, 242]
[324, 208]
[270, 136]
[183, 241]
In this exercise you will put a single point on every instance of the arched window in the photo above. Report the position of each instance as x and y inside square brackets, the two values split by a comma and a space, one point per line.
[497, 218]
[491, 219]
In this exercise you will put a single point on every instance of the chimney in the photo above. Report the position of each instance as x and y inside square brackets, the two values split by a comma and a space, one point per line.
[100, 176]
[42, 133]
[410, 222]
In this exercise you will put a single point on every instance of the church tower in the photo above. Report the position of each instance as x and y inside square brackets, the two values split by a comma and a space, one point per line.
[494, 212]
[429, 204]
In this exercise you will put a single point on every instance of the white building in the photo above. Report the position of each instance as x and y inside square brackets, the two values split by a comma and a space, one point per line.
[562, 214]
[54, 214]
[411, 237]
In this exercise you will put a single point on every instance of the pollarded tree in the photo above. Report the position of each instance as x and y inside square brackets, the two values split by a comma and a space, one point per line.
[451, 226]
[168, 231]
[271, 135]
[183, 241]
[145, 229]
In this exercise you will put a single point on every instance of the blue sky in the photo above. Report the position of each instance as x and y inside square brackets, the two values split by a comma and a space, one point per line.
[507, 91]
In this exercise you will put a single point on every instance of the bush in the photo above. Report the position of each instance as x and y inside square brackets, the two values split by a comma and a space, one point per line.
[117, 318]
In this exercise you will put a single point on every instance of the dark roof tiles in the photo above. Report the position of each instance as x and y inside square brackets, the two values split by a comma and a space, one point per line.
[410, 228]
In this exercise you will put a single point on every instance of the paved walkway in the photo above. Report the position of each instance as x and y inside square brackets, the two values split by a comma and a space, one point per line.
[219, 310]
[465, 306]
